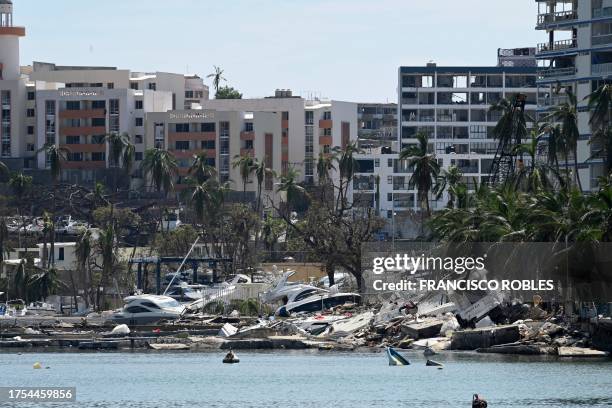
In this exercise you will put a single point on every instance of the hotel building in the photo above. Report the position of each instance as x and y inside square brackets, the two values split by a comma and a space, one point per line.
[451, 106]
[576, 56]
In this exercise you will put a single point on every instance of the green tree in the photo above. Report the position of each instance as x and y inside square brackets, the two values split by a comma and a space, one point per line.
[20, 185]
[200, 169]
[599, 105]
[162, 168]
[83, 251]
[261, 171]
[227, 92]
[288, 184]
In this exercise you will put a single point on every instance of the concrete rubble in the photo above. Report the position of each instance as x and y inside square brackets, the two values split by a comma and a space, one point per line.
[431, 326]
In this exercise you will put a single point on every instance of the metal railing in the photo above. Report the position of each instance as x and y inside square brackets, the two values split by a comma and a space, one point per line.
[556, 72]
[559, 16]
[557, 45]
[597, 69]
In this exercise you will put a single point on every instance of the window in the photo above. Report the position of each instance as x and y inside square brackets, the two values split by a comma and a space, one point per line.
[138, 105]
[110, 85]
[208, 144]
[114, 106]
[150, 305]
[30, 147]
[153, 86]
[182, 127]
[389, 162]
[31, 96]
[98, 105]
[248, 127]
[207, 127]
[138, 139]
[72, 140]
[97, 139]
[98, 156]
[137, 309]
[181, 145]
[75, 157]
[139, 122]
[30, 113]
[327, 115]
[30, 130]
[248, 144]
[134, 85]
[138, 156]
[309, 117]
[98, 122]
[60, 255]
[73, 105]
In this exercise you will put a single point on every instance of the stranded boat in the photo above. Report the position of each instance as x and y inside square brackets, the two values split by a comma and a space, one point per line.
[314, 301]
[144, 309]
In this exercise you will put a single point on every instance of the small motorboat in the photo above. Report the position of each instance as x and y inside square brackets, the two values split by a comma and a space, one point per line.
[146, 309]
[395, 358]
[431, 363]
[316, 300]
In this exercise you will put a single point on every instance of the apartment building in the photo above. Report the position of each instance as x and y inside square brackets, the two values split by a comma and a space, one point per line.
[12, 86]
[576, 56]
[308, 127]
[451, 106]
[377, 125]
[221, 136]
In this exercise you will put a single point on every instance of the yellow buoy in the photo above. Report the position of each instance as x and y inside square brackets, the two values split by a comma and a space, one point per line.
[37, 366]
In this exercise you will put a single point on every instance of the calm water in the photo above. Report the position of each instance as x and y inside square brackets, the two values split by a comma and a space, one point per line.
[311, 380]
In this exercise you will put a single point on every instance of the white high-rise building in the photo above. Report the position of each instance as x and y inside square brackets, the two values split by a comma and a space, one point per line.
[576, 56]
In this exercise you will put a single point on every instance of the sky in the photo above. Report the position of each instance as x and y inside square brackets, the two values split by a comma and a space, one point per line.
[339, 49]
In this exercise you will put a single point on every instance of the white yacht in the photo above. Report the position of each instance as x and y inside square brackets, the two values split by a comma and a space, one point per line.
[145, 309]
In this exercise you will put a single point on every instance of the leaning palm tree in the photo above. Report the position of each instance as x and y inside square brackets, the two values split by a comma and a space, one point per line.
[217, 77]
[567, 114]
[244, 163]
[325, 165]
[599, 104]
[426, 169]
[448, 180]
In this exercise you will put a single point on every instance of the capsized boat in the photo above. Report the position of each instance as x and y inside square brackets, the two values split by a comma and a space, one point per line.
[316, 301]
[395, 358]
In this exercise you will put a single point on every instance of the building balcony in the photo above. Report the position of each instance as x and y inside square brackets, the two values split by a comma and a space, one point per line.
[85, 148]
[325, 124]
[601, 69]
[556, 46]
[82, 114]
[82, 131]
[555, 18]
[247, 135]
[14, 31]
[551, 73]
[554, 100]
[197, 136]
[247, 152]
[187, 154]
[325, 140]
[84, 165]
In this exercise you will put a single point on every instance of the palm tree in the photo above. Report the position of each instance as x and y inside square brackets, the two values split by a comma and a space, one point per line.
[599, 104]
[567, 114]
[325, 165]
[4, 235]
[534, 176]
[200, 169]
[288, 184]
[121, 151]
[511, 129]
[106, 249]
[448, 180]
[45, 283]
[20, 185]
[245, 164]
[83, 250]
[426, 169]
[261, 171]
[162, 167]
[217, 77]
